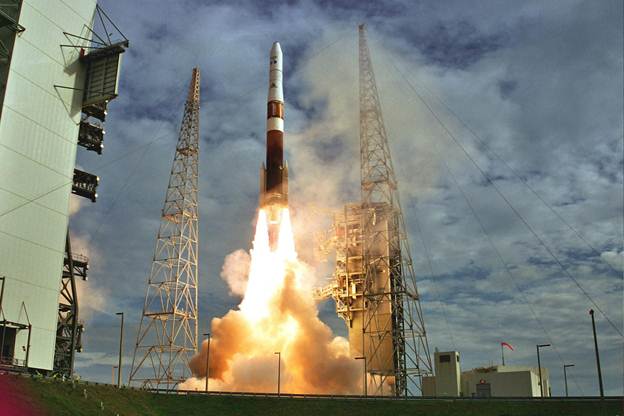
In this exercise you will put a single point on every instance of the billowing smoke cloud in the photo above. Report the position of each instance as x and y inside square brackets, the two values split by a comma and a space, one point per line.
[313, 361]
[91, 298]
[323, 143]
[278, 314]
[235, 271]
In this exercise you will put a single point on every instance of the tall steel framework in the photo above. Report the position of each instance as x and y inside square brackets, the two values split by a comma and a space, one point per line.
[69, 328]
[394, 337]
[167, 335]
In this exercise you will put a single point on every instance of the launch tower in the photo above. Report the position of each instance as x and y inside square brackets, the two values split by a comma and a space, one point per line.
[374, 284]
[394, 337]
[167, 336]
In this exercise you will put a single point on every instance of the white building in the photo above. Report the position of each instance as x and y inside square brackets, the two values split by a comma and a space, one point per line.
[504, 381]
[493, 381]
[43, 70]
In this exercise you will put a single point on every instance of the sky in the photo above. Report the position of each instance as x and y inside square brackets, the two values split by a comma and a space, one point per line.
[505, 123]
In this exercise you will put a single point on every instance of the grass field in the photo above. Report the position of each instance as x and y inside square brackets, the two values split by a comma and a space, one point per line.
[47, 397]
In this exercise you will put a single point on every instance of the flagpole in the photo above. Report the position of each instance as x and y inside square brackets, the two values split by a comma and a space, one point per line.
[502, 353]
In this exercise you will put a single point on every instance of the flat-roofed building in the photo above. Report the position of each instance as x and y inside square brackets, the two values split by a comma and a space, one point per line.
[492, 381]
[504, 381]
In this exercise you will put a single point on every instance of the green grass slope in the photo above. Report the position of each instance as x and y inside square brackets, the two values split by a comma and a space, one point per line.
[64, 398]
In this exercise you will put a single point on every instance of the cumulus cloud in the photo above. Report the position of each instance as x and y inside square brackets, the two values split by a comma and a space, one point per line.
[92, 297]
[614, 259]
[75, 204]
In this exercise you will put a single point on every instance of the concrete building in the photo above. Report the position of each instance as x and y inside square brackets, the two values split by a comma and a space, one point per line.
[446, 365]
[493, 381]
[504, 381]
[45, 81]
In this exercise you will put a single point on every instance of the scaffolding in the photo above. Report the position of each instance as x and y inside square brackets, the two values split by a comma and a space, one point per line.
[69, 328]
[374, 284]
[394, 337]
[8, 333]
[100, 59]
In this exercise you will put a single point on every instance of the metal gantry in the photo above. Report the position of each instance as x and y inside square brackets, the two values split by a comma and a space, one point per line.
[167, 335]
[394, 337]
[68, 327]
[96, 63]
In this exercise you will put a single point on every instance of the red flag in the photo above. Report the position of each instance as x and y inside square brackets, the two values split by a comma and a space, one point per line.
[504, 344]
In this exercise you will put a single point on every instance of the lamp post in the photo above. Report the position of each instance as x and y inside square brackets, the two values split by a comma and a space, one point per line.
[120, 348]
[539, 367]
[3, 318]
[565, 376]
[207, 361]
[365, 381]
[279, 365]
[591, 312]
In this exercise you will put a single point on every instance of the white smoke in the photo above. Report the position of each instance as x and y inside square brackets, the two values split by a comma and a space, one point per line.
[235, 271]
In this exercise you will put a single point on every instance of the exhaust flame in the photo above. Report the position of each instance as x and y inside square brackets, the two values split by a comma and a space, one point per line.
[277, 314]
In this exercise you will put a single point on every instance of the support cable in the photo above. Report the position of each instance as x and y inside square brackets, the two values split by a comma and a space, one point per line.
[141, 146]
[513, 208]
[148, 144]
[488, 149]
[56, 188]
[102, 166]
[126, 182]
[502, 261]
[499, 256]
[435, 287]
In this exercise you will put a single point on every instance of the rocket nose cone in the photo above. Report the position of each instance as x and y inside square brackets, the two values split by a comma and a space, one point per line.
[276, 48]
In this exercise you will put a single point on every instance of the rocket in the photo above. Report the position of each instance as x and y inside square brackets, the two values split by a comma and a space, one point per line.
[274, 172]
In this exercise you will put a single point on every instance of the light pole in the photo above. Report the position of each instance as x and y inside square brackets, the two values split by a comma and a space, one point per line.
[539, 367]
[365, 381]
[113, 375]
[279, 370]
[120, 348]
[207, 361]
[2, 316]
[565, 376]
[591, 312]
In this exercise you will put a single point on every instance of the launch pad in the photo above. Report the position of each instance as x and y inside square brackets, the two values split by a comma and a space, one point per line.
[374, 284]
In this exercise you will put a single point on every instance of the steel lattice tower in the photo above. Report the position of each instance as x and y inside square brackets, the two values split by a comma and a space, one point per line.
[395, 341]
[167, 336]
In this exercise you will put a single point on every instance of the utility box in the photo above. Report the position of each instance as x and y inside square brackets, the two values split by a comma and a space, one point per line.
[447, 374]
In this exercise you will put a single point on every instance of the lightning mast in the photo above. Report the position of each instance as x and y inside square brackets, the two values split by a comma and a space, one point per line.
[167, 335]
[394, 337]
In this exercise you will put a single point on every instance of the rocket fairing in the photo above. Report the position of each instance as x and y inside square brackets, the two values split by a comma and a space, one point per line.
[274, 172]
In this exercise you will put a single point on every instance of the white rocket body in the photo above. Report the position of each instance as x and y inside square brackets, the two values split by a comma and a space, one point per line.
[274, 172]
